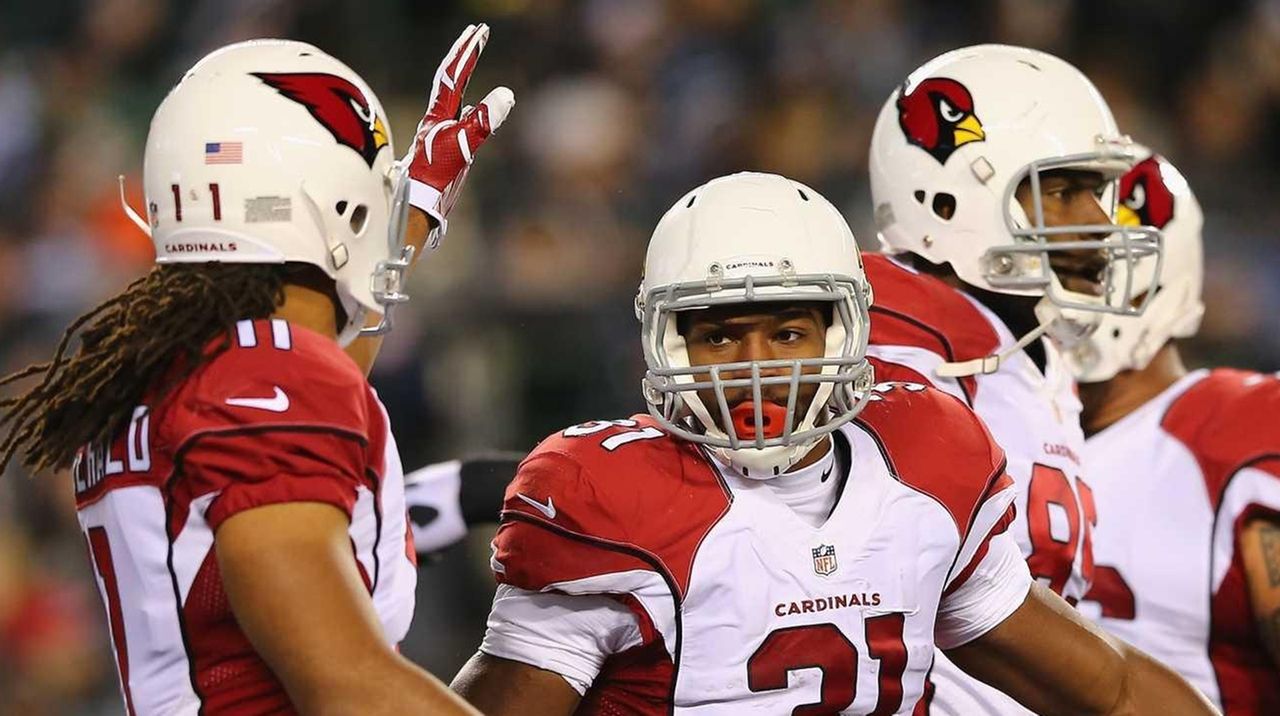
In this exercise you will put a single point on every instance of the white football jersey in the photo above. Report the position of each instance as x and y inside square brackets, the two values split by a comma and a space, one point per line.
[1174, 482]
[733, 603]
[282, 415]
[917, 323]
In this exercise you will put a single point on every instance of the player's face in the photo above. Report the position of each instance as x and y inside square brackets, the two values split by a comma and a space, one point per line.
[756, 332]
[1070, 197]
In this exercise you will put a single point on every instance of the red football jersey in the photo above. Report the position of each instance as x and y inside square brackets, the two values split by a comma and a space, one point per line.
[283, 415]
[741, 606]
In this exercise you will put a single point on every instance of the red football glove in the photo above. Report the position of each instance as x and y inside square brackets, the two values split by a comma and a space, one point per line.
[449, 134]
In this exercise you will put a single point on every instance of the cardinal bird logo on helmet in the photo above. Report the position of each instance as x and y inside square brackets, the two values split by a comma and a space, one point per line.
[938, 117]
[337, 104]
[1145, 198]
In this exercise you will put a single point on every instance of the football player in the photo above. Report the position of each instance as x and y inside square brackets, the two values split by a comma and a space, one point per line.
[993, 173]
[777, 535]
[234, 473]
[1185, 468]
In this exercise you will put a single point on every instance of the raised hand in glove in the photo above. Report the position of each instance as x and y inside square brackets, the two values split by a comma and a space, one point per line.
[450, 134]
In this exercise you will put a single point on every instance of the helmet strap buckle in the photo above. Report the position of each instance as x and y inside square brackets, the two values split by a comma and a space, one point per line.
[339, 256]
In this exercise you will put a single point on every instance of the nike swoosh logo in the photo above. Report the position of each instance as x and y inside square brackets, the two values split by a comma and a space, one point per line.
[548, 509]
[826, 474]
[276, 404]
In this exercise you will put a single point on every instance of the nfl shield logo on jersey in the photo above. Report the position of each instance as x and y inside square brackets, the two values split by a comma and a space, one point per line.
[824, 560]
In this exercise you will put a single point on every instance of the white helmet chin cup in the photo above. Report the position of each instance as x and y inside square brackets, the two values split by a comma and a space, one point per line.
[271, 151]
[1155, 194]
[950, 148]
[1066, 327]
[743, 239]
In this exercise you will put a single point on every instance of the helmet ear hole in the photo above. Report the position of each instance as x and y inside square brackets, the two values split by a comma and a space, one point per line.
[919, 196]
[359, 219]
[944, 205]
[341, 208]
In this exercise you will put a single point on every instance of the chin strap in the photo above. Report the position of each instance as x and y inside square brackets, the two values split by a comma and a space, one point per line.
[130, 212]
[990, 364]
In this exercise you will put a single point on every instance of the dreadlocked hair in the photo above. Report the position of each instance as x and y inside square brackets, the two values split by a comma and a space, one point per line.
[146, 339]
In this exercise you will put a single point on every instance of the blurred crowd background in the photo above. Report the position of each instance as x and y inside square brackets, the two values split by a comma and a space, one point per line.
[522, 322]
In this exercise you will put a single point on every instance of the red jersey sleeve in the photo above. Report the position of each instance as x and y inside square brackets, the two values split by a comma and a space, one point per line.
[995, 513]
[257, 469]
[939, 447]
[602, 502]
[1221, 422]
[1227, 422]
[555, 530]
[283, 415]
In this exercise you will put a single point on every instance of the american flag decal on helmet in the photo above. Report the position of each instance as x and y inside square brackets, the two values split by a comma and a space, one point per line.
[223, 152]
[824, 560]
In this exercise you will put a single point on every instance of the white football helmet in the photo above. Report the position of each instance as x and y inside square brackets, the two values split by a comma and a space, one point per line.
[950, 148]
[271, 151]
[1153, 193]
[754, 238]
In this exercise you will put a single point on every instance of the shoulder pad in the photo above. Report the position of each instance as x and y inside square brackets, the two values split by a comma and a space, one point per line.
[272, 374]
[1228, 420]
[607, 475]
[936, 445]
[622, 483]
[914, 309]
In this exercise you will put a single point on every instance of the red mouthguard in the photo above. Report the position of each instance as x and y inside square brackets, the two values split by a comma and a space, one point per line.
[774, 417]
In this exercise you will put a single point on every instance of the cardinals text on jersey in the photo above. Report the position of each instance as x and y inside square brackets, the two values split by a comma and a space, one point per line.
[733, 603]
[282, 415]
[917, 323]
[1175, 481]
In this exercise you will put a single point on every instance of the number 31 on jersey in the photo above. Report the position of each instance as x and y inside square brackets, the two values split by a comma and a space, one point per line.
[617, 440]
